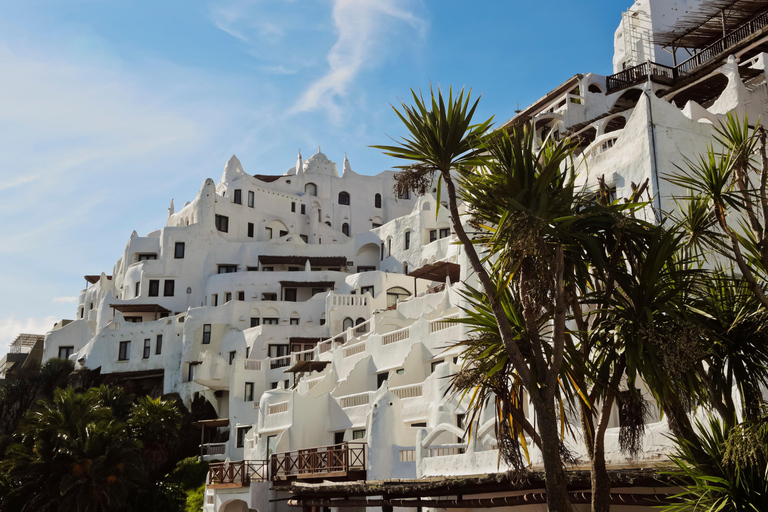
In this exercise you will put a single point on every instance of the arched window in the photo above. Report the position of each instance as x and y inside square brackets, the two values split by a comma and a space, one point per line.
[362, 329]
[382, 251]
[345, 228]
[328, 223]
[343, 198]
[594, 88]
[395, 295]
[389, 247]
[348, 323]
[377, 200]
[310, 189]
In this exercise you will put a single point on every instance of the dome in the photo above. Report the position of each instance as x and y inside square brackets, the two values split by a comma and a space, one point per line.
[320, 164]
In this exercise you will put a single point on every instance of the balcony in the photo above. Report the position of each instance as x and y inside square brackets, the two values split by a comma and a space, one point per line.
[344, 461]
[237, 474]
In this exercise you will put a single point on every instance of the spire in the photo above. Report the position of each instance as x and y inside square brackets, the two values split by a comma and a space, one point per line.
[299, 164]
[171, 210]
[346, 169]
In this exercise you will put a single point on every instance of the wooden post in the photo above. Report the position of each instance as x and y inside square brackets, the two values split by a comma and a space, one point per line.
[202, 440]
[722, 18]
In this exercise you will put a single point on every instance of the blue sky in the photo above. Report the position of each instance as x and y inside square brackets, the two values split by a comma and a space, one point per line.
[110, 108]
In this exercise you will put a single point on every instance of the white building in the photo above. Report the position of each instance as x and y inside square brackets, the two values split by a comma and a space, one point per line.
[313, 310]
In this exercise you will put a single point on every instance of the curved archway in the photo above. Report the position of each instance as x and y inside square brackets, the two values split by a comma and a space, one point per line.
[348, 323]
[396, 294]
[614, 124]
[276, 229]
[367, 255]
[344, 198]
[234, 506]
[310, 189]
[627, 100]
[363, 328]
[595, 88]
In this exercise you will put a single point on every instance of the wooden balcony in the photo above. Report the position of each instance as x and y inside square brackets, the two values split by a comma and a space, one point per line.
[237, 474]
[344, 461]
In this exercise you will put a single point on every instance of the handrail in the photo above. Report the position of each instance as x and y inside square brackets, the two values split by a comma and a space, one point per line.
[311, 462]
[277, 408]
[395, 336]
[409, 391]
[239, 472]
[214, 448]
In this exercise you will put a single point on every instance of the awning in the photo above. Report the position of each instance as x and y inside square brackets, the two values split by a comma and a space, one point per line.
[219, 422]
[93, 279]
[140, 308]
[307, 284]
[308, 366]
[315, 261]
[438, 271]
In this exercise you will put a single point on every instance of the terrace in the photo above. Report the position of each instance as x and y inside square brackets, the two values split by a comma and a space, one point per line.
[344, 461]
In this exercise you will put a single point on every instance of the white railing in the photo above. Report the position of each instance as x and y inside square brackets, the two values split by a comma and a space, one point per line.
[304, 355]
[326, 345]
[252, 364]
[354, 400]
[443, 323]
[394, 337]
[354, 349]
[349, 300]
[363, 328]
[312, 383]
[601, 144]
[280, 362]
[277, 408]
[408, 455]
[214, 448]
[411, 391]
[447, 449]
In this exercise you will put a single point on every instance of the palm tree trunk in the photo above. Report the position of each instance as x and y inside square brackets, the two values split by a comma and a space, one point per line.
[601, 482]
[558, 499]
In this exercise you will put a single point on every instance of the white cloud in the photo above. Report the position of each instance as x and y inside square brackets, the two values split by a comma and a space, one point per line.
[362, 27]
[65, 299]
[10, 327]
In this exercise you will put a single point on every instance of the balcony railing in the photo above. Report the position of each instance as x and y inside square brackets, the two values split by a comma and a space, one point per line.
[214, 448]
[668, 75]
[344, 461]
[238, 474]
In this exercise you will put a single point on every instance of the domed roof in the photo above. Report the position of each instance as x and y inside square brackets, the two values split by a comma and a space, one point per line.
[320, 164]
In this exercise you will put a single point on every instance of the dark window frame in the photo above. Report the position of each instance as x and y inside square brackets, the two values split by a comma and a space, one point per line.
[206, 334]
[124, 351]
[178, 250]
[154, 288]
[147, 350]
[158, 344]
[238, 199]
[222, 223]
[169, 287]
[68, 351]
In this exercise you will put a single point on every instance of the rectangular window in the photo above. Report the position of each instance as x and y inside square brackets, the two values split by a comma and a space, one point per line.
[154, 287]
[159, 344]
[289, 294]
[250, 230]
[270, 321]
[407, 240]
[366, 289]
[252, 269]
[271, 445]
[432, 235]
[222, 223]
[241, 296]
[250, 198]
[255, 321]
[215, 299]
[294, 321]
[178, 251]
[227, 269]
[303, 209]
[434, 365]
[358, 434]
[168, 287]
[293, 207]
[227, 297]
[147, 349]
[133, 319]
[238, 196]
[206, 334]
[124, 352]
[232, 356]
[65, 352]
[421, 424]
[191, 370]
[137, 289]
[145, 257]
[445, 232]
[248, 392]
[338, 437]
[241, 431]
[269, 233]
[268, 296]
[405, 195]
[381, 378]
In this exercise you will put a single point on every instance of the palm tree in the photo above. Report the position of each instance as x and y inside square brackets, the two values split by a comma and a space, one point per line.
[72, 455]
[156, 424]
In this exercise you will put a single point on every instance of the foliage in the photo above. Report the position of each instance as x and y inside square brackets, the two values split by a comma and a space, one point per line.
[195, 500]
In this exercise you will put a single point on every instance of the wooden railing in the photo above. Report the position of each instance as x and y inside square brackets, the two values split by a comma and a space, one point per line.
[241, 472]
[336, 460]
[662, 73]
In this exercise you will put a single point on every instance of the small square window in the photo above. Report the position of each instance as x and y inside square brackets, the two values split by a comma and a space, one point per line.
[241, 296]
[289, 294]
[358, 434]
[293, 207]
[445, 232]
[434, 365]
[178, 251]
[65, 352]
[168, 288]
[222, 223]
[206, 334]
[227, 297]
[432, 235]
[241, 431]
[255, 321]
[248, 397]
[294, 321]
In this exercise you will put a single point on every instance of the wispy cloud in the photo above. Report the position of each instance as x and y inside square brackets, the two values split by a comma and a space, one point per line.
[10, 327]
[363, 26]
[65, 299]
